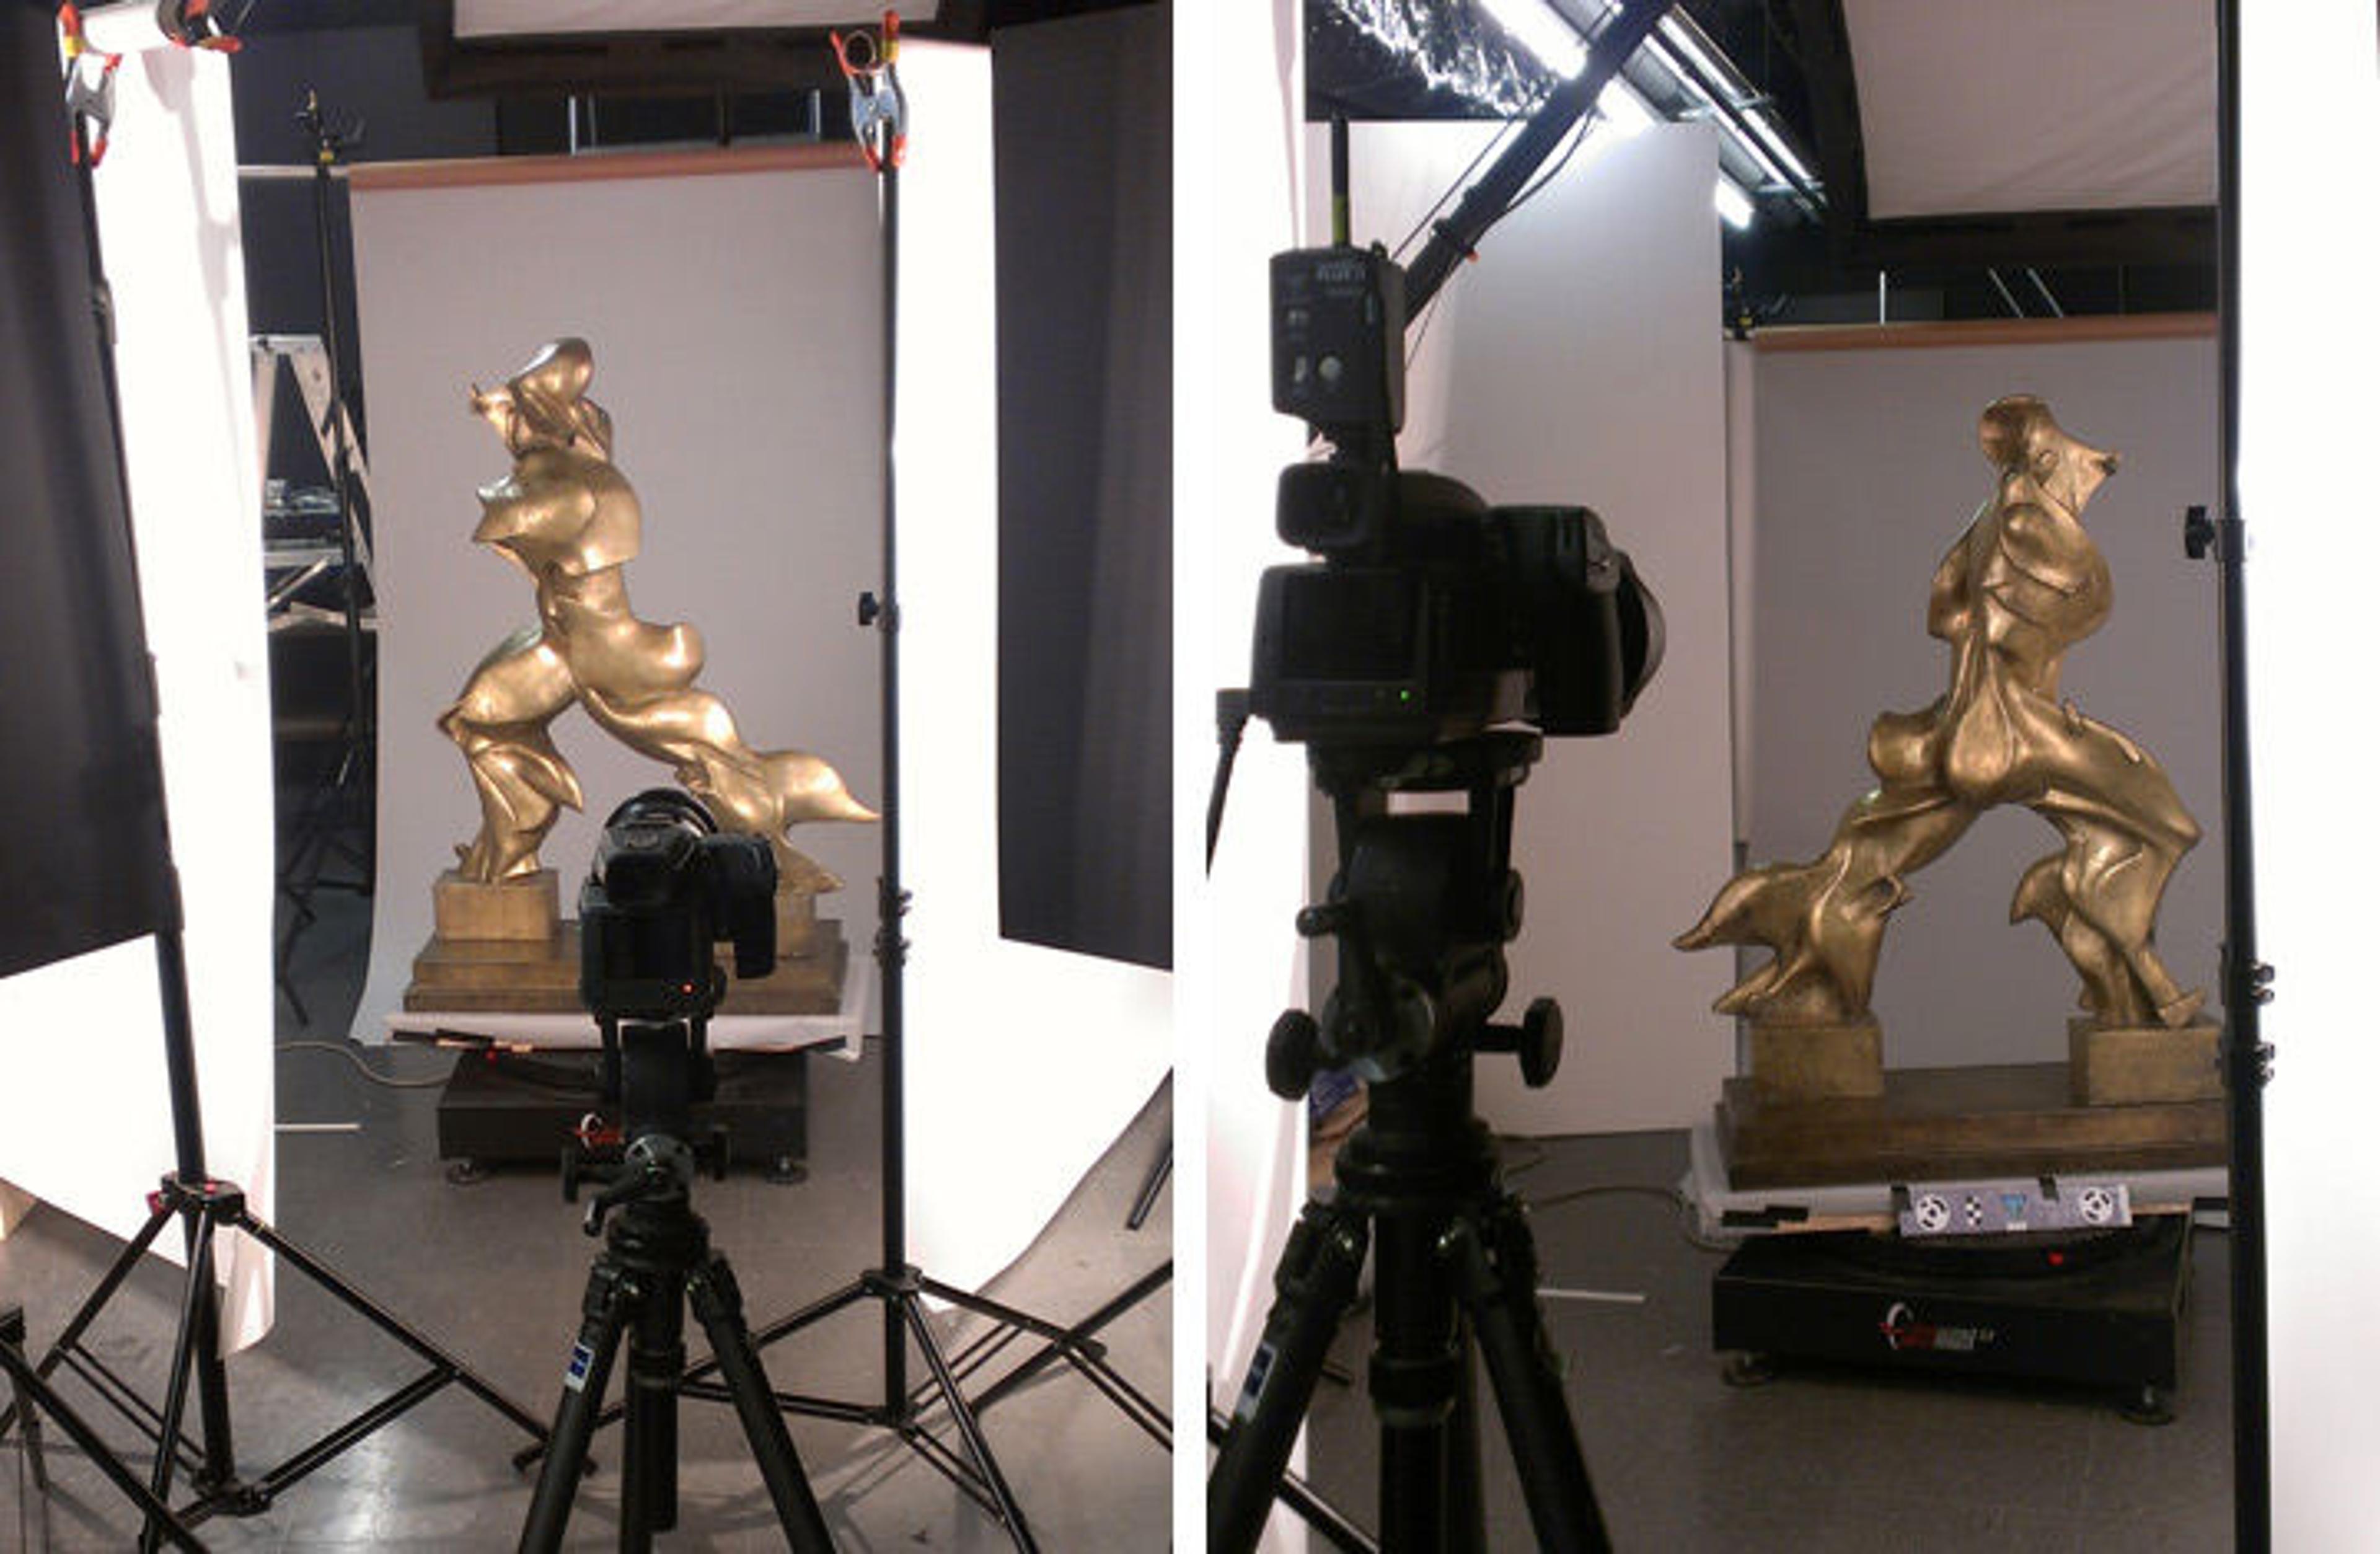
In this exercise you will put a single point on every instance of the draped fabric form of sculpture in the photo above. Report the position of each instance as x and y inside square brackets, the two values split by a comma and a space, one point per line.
[567, 517]
[2023, 585]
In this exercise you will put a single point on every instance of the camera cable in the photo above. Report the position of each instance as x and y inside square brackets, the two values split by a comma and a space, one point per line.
[1231, 725]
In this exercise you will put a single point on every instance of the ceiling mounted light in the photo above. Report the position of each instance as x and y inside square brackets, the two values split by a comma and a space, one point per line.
[1544, 31]
[1733, 205]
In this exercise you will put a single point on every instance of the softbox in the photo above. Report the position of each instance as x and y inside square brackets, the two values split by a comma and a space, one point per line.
[82, 856]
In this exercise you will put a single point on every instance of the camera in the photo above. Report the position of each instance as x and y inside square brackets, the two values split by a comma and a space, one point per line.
[666, 888]
[1432, 616]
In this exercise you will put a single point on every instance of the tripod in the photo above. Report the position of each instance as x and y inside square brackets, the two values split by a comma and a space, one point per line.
[656, 1260]
[1422, 907]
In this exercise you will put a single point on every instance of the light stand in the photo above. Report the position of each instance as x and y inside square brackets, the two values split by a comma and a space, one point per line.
[343, 792]
[896, 1284]
[2247, 981]
[203, 1204]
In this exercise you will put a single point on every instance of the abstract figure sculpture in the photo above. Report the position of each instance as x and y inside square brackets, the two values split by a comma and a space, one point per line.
[567, 517]
[2023, 585]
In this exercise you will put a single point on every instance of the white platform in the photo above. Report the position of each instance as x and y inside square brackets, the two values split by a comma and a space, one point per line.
[840, 1031]
[1869, 1204]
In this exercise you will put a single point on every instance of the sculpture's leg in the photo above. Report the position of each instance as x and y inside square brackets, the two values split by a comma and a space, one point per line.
[2110, 990]
[2125, 831]
[500, 724]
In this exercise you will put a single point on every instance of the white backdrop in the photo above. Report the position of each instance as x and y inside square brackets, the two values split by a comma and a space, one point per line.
[1578, 361]
[1238, 958]
[1025, 1063]
[734, 322]
[90, 1131]
[2311, 85]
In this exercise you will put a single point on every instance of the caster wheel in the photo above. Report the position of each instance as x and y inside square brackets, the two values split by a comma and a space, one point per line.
[1748, 1370]
[787, 1171]
[2150, 1406]
[467, 1174]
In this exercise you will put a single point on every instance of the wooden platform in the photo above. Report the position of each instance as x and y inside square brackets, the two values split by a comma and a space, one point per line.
[527, 978]
[1933, 1124]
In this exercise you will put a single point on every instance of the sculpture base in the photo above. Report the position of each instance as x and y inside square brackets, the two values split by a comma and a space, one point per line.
[2126, 1067]
[540, 976]
[523, 911]
[1812, 1063]
[1952, 1123]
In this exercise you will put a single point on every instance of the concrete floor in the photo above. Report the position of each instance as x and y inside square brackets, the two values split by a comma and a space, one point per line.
[495, 1273]
[1818, 1460]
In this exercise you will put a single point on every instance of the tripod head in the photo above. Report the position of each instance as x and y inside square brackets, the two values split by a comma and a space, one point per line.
[1423, 901]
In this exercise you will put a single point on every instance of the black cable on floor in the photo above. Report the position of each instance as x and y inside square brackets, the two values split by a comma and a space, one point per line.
[356, 1057]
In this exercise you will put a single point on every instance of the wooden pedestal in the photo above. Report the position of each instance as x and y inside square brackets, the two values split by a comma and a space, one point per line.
[1929, 1124]
[540, 976]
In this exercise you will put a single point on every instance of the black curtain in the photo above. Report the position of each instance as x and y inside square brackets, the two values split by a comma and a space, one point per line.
[82, 859]
[1082, 117]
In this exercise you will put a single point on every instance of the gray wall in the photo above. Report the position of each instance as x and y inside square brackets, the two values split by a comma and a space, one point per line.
[1866, 469]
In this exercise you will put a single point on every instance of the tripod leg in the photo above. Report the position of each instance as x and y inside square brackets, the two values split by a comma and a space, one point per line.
[1416, 1377]
[610, 1297]
[1312, 1286]
[719, 1307]
[648, 1468]
[1496, 1279]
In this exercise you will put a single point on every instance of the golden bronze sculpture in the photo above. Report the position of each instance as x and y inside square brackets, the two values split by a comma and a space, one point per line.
[2023, 585]
[568, 517]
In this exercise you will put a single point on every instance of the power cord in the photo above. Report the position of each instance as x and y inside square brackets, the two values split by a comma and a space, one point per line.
[356, 1057]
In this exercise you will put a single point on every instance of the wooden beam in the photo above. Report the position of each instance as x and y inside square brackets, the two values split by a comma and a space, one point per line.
[1988, 332]
[481, 171]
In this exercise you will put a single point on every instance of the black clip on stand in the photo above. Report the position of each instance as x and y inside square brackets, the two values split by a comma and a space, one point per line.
[657, 1260]
[1422, 908]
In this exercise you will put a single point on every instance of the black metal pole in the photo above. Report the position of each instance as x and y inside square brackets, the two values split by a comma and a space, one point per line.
[893, 901]
[327, 146]
[2246, 980]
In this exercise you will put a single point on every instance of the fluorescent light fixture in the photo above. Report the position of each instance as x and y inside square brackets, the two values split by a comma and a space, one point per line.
[1733, 205]
[1544, 31]
[1681, 39]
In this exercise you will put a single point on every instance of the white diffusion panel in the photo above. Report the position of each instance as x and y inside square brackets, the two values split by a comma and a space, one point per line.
[1578, 362]
[1023, 1062]
[732, 317]
[2034, 105]
[84, 1121]
[2311, 86]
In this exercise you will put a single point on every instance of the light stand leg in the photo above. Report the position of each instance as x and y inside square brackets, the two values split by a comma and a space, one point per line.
[1313, 1286]
[198, 1298]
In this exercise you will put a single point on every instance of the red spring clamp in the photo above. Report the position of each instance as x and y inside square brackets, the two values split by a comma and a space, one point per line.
[90, 87]
[879, 111]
